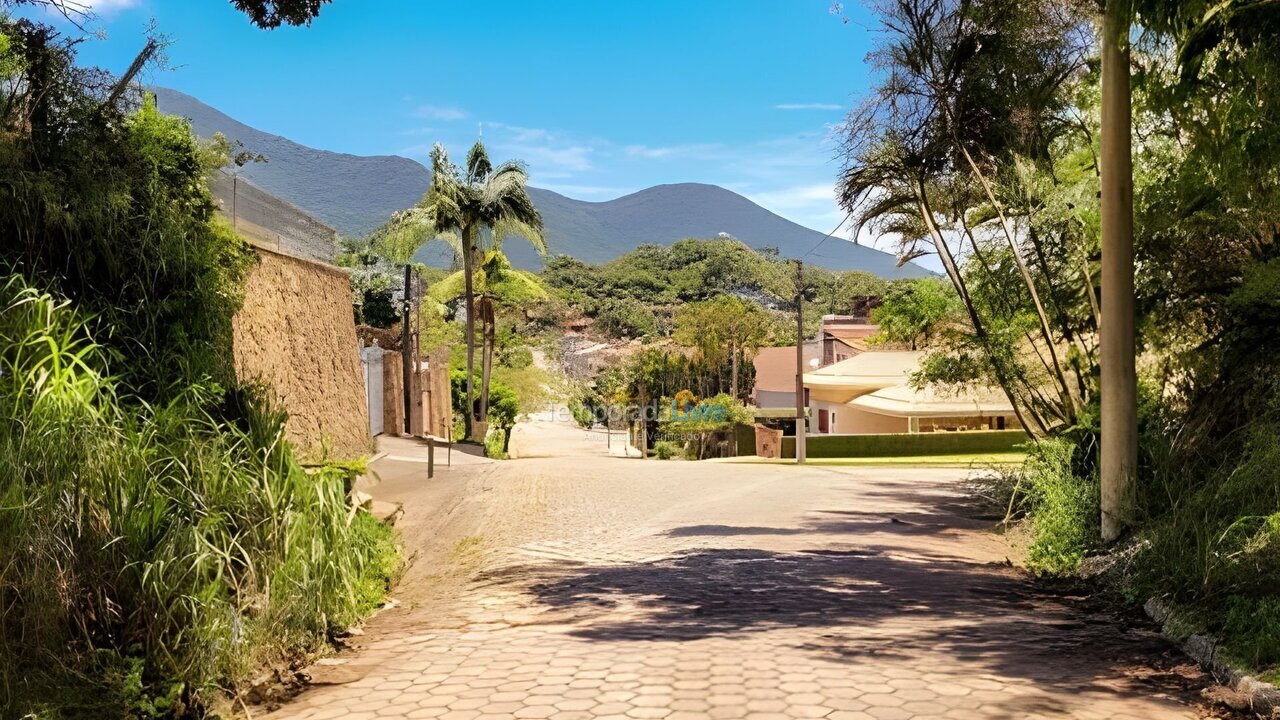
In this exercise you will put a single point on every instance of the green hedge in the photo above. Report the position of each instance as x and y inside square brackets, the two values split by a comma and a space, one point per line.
[907, 444]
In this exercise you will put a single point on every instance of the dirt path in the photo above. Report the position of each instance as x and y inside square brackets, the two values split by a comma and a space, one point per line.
[588, 586]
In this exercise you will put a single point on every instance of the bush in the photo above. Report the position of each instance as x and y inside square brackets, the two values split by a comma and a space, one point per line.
[665, 449]
[516, 357]
[582, 414]
[495, 443]
[155, 554]
[1063, 508]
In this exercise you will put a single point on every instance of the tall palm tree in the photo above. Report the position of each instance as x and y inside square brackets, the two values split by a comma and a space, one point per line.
[463, 208]
[494, 283]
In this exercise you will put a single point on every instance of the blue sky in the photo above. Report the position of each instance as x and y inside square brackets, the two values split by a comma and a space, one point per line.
[599, 98]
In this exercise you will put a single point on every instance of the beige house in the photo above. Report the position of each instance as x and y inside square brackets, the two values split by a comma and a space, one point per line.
[870, 393]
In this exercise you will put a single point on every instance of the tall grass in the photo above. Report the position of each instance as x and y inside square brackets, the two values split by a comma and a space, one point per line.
[156, 555]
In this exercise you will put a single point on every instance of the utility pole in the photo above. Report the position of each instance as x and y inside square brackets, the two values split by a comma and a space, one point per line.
[1119, 388]
[407, 360]
[800, 404]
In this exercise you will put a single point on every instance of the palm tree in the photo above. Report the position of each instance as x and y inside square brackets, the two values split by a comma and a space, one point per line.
[462, 208]
[494, 283]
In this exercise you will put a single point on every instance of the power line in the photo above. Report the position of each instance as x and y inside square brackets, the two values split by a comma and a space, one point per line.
[825, 238]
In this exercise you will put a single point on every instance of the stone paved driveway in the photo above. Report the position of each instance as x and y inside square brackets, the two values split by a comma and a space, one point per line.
[586, 586]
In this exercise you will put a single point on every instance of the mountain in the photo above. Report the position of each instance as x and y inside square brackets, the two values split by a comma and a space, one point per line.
[356, 194]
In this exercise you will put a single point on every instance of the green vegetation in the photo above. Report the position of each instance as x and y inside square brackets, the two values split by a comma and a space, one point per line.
[975, 442]
[637, 295]
[464, 207]
[167, 551]
[161, 541]
[915, 311]
[665, 450]
[980, 144]
[974, 460]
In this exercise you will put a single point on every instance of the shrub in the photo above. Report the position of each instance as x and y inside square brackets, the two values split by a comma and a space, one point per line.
[516, 357]
[495, 443]
[665, 449]
[582, 414]
[154, 554]
[1063, 508]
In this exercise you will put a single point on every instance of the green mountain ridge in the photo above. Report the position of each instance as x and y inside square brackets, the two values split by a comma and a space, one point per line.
[355, 194]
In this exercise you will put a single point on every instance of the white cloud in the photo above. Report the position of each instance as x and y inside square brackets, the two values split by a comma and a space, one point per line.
[581, 191]
[102, 7]
[658, 153]
[573, 158]
[436, 112]
[807, 106]
[808, 197]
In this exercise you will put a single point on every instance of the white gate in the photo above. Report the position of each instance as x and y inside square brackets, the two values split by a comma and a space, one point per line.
[371, 359]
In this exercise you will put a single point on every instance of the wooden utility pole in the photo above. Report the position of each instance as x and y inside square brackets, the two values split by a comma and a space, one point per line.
[800, 404]
[1119, 451]
[408, 362]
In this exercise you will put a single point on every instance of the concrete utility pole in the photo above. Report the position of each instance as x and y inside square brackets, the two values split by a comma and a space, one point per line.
[800, 404]
[1119, 452]
[406, 348]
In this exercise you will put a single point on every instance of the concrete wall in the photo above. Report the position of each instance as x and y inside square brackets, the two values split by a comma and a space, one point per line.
[852, 421]
[296, 334]
[267, 221]
[775, 399]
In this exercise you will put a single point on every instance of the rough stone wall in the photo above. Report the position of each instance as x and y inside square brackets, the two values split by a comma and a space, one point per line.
[296, 334]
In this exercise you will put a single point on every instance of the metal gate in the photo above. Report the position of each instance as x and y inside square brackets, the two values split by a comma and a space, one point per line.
[371, 360]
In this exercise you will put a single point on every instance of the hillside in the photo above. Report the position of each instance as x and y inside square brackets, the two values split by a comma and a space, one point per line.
[355, 194]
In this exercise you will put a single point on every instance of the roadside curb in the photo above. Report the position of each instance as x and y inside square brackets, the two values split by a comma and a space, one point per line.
[1262, 698]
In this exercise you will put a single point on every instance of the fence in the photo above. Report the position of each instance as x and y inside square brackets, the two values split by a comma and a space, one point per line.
[268, 221]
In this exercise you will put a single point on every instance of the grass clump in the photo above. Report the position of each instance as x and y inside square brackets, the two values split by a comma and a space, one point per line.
[665, 450]
[1063, 508]
[156, 556]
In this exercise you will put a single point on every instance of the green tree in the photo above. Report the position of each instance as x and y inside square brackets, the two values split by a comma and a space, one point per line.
[266, 14]
[464, 207]
[496, 283]
[913, 312]
[725, 330]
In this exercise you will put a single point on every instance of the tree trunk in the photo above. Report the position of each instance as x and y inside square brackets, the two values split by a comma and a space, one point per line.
[487, 321]
[953, 272]
[733, 382]
[1067, 399]
[1119, 380]
[468, 247]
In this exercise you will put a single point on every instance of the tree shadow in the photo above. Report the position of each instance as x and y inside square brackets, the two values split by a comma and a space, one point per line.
[870, 603]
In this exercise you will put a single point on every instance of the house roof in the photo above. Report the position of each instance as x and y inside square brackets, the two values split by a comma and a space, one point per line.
[867, 371]
[851, 332]
[906, 401]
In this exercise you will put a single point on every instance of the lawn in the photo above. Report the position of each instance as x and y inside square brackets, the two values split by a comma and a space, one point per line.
[976, 460]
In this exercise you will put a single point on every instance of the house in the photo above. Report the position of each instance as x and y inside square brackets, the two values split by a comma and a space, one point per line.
[776, 374]
[843, 336]
[870, 393]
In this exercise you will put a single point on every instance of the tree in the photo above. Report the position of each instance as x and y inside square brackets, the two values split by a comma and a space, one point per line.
[1119, 448]
[496, 284]
[725, 330]
[269, 14]
[465, 208]
[971, 91]
[914, 311]
[266, 14]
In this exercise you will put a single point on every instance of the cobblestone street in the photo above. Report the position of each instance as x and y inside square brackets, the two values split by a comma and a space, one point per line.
[586, 586]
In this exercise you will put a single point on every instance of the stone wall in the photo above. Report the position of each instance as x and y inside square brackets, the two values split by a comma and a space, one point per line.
[296, 334]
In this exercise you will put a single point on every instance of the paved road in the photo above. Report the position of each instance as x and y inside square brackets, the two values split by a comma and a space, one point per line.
[584, 586]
